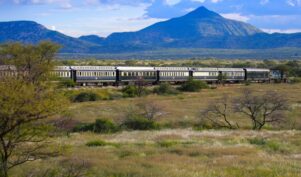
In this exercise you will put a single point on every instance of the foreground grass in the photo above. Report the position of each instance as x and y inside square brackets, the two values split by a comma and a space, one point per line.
[185, 152]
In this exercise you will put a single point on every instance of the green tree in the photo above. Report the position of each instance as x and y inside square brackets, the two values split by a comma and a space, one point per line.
[27, 99]
[221, 78]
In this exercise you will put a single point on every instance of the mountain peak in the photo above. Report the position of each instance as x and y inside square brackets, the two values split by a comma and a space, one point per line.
[202, 12]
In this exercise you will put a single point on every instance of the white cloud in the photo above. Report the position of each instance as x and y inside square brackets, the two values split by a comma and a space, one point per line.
[172, 2]
[104, 19]
[216, 1]
[236, 16]
[294, 2]
[66, 4]
[263, 2]
[201, 1]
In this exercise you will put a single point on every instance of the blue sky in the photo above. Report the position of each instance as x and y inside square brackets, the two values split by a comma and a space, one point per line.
[102, 17]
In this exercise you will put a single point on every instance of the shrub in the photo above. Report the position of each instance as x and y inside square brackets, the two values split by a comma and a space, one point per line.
[130, 91]
[257, 141]
[140, 123]
[193, 85]
[165, 89]
[99, 126]
[96, 143]
[104, 126]
[295, 80]
[134, 91]
[84, 127]
[67, 83]
[247, 83]
[86, 96]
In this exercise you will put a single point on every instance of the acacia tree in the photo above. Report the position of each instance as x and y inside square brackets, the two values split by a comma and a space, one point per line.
[26, 101]
[261, 109]
[218, 113]
[149, 110]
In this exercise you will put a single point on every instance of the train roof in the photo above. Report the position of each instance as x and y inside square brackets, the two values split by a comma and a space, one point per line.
[205, 69]
[257, 70]
[135, 68]
[62, 68]
[172, 68]
[231, 69]
[93, 68]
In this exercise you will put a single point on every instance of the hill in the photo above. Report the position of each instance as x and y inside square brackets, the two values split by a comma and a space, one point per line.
[31, 32]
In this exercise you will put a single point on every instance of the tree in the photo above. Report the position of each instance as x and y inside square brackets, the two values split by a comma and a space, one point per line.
[261, 109]
[140, 86]
[149, 110]
[221, 78]
[218, 113]
[33, 63]
[26, 101]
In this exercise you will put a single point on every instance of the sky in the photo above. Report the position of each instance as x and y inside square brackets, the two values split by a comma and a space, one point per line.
[103, 17]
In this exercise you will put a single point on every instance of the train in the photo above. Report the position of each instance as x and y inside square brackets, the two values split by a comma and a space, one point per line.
[124, 75]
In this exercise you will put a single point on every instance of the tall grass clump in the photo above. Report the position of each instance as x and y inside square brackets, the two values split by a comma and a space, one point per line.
[96, 143]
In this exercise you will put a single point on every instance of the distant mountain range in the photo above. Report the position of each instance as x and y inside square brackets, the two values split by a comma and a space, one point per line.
[200, 28]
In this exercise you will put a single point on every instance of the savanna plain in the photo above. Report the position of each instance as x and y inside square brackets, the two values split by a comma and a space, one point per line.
[182, 145]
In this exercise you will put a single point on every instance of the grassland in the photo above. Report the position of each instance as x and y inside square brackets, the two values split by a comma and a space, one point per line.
[178, 149]
[184, 109]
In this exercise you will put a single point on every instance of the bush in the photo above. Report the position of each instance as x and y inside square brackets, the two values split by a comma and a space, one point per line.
[104, 126]
[295, 80]
[99, 126]
[165, 89]
[257, 141]
[134, 91]
[193, 85]
[67, 83]
[84, 127]
[130, 91]
[140, 123]
[96, 143]
[86, 96]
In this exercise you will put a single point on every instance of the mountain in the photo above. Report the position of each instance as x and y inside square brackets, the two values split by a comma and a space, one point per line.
[32, 33]
[93, 39]
[199, 29]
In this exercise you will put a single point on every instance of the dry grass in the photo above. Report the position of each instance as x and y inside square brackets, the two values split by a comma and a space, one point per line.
[189, 153]
[183, 152]
[184, 110]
